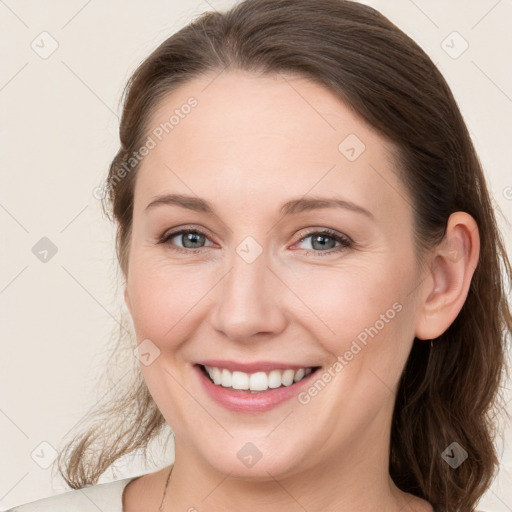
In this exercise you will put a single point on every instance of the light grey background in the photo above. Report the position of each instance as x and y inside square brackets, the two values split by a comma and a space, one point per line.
[58, 134]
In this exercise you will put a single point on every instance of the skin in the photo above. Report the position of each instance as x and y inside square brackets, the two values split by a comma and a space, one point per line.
[252, 143]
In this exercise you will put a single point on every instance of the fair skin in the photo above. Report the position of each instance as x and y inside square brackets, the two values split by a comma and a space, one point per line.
[251, 144]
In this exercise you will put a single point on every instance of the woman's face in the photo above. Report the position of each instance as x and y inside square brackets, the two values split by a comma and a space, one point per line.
[263, 288]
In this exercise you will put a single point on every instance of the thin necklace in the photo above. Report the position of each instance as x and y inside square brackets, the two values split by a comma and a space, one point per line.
[160, 509]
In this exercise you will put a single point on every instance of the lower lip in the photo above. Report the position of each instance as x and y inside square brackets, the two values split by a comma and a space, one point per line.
[245, 400]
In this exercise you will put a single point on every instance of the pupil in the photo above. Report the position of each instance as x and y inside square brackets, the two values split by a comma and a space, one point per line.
[321, 237]
[189, 237]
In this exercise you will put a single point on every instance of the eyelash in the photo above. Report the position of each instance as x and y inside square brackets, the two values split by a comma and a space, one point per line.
[346, 243]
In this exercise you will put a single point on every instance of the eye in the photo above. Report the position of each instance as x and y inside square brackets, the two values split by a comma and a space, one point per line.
[192, 240]
[326, 239]
[323, 242]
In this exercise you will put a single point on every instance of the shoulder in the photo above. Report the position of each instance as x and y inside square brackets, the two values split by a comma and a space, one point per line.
[106, 496]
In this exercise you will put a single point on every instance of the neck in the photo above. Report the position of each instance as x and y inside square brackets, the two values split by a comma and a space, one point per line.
[345, 482]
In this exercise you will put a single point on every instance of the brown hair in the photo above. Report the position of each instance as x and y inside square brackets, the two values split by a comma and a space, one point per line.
[447, 393]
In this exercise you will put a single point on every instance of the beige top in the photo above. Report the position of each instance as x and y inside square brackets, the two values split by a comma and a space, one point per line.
[107, 497]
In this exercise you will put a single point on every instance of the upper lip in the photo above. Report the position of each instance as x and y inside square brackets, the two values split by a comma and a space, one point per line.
[256, 366]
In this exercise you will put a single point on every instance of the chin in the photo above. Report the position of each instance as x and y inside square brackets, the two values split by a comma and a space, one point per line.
[257, 460]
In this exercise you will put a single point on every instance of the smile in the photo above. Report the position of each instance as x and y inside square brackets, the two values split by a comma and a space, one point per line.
[261, 387]
[258, 381]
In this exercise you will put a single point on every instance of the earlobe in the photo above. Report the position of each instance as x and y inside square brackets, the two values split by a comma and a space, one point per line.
[454, 261]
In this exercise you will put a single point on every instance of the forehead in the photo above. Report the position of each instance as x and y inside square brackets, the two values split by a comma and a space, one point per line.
[269, 137]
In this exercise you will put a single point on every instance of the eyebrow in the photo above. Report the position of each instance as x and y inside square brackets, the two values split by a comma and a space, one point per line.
[291, 207]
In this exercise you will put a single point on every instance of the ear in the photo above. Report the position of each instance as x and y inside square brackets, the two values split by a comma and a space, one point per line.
[447, 285]
[127, 300]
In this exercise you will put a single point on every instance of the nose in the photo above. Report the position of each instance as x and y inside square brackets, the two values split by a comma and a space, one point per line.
[250, 300]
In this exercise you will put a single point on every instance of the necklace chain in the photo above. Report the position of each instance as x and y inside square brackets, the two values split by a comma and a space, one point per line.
[161, 509]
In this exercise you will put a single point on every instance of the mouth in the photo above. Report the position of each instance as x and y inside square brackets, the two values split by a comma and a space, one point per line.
[256, 382]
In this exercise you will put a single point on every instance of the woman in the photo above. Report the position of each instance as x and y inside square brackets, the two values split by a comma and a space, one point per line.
[313, 270]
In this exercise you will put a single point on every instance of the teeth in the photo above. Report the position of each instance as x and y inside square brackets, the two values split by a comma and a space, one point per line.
[225, 376]
[216, 376]
[287, 377]
[239, 380]
[299, 375]
[259, 381]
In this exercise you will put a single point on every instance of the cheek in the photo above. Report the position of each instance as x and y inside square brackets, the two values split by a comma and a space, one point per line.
[359, 311]
[164, 299]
